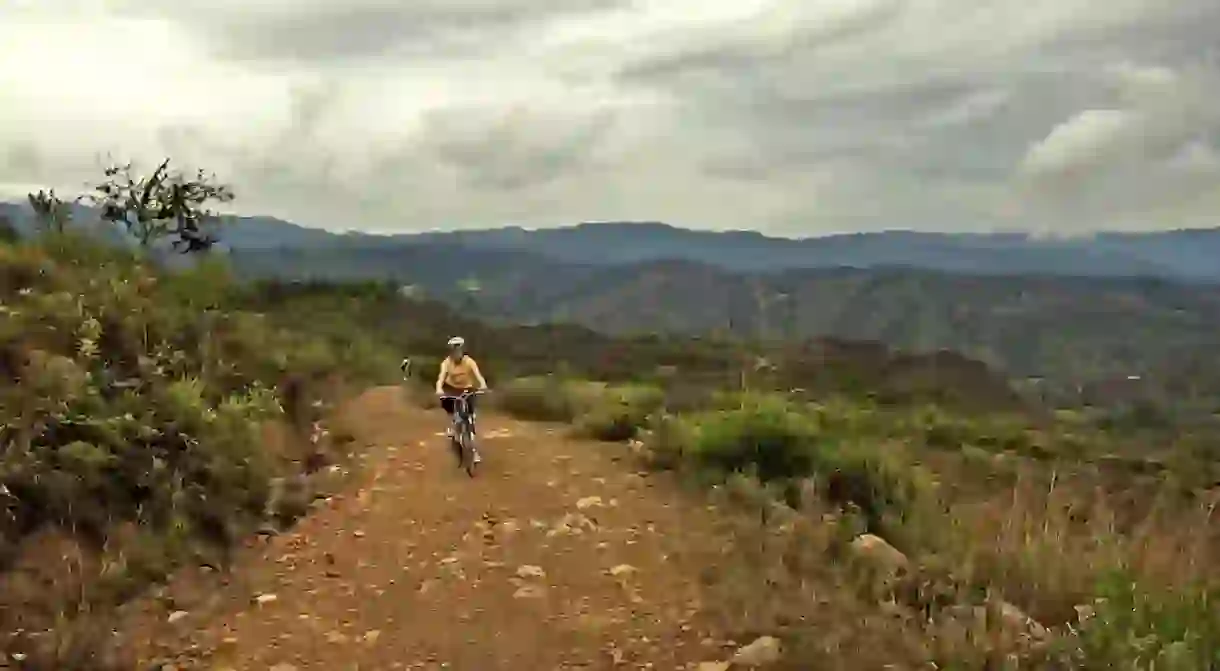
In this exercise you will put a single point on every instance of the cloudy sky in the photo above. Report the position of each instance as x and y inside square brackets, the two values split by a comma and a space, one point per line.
[795, 118]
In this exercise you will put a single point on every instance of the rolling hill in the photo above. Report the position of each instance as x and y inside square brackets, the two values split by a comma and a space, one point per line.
[1179, 254]
[750, 251]
[1082, 328]
[1187, 254]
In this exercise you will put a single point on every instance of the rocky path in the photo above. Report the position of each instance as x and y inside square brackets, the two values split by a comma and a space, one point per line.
[555, 557]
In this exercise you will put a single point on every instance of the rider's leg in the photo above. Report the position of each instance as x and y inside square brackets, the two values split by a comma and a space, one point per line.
[450, 407]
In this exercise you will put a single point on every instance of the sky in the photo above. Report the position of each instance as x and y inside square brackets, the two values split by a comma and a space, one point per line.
[792, 118]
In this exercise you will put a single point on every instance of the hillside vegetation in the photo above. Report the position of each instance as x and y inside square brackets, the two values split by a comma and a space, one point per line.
[1080, 313]
[146, 421]
[1073, 330]
[680, 364]
[153, 417]
[1018, 535]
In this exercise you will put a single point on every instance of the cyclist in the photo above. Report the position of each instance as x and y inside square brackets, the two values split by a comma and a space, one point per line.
[459, 373]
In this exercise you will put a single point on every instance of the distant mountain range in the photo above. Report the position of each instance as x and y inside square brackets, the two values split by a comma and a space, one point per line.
[1034, 325]
[1087, 308]
[1190, 255]
[1082, 308]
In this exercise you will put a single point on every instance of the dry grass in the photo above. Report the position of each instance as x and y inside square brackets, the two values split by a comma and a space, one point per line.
[1048, 544]
[1111, 598]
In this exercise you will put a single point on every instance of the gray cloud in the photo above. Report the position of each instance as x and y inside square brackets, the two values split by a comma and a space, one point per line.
[1037, 120]
[782, 33]
[330, 32]
[516, 148]
[795, 118]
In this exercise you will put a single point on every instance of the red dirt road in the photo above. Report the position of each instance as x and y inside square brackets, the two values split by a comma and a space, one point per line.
[554, 557]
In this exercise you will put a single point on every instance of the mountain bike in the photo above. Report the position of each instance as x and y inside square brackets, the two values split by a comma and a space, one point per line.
[463, 430]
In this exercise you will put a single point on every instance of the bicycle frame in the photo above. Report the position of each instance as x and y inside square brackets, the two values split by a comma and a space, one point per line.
[461, 410]
[461, 405]
[463, 428]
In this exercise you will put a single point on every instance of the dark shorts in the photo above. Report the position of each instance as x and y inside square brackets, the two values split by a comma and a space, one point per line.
[450, 405]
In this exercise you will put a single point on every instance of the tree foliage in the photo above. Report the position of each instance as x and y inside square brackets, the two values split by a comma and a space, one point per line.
[50, 212]
[165, 205]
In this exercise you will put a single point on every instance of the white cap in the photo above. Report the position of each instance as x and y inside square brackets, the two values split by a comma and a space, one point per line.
[457, 341]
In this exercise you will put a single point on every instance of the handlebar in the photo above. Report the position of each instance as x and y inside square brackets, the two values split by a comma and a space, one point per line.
[466, 394]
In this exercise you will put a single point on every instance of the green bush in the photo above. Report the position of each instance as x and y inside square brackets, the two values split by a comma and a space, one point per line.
[1130, 627]
[538, 399]
[611, 423]
[671, 442]
[781, 442]
[131, 397]
[767, 437]
[599, 411]
[878, 480]
[620, 413]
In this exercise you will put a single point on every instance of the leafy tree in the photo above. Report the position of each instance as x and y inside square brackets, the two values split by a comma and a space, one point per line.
[51, 213]
[168, 204]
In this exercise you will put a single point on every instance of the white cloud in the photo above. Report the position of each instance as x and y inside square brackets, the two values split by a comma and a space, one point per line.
[1149, 163]
[798, 118]
[1196, 158]
[1090, 138]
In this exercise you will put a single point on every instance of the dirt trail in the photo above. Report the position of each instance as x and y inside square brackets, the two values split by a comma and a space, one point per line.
[419, 567]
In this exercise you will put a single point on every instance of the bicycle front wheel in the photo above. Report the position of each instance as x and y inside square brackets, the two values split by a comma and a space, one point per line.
[468, 450]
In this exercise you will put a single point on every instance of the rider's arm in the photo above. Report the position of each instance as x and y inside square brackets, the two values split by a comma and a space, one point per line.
[474, 368]
[440, 379]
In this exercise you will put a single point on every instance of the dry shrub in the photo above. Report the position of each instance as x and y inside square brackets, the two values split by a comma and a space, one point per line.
[46, 599]
[779, 571]
[1146, 586]
[1131, 596]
